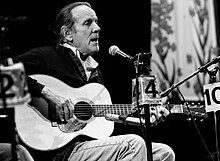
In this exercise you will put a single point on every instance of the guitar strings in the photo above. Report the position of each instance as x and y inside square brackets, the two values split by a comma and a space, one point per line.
[119, 108]
[116, 108]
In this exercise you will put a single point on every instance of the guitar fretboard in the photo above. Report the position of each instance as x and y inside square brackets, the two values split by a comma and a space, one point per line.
[120, 109]
[124, 109]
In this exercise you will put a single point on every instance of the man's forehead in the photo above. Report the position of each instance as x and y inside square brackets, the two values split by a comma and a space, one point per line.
[83, 12]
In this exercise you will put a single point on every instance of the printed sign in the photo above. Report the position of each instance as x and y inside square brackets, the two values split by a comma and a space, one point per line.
[212, 96]
[13, 86]
[148, 91]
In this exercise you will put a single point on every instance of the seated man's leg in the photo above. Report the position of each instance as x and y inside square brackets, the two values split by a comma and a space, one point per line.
[123, 147]
[162, 152]
[24, 154]
[6, 153]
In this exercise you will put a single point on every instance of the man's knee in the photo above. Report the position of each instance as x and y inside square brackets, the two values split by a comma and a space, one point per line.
[138, 139]
[170, 155]
[163, 152]
[5, 152]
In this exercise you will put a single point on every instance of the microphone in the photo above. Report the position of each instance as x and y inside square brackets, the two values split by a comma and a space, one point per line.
[126, 121]
[115, 50]
[142, 56]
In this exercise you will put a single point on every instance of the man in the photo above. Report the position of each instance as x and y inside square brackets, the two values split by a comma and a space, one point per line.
[70, 61]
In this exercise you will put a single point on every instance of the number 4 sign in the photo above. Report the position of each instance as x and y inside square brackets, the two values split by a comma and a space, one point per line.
[148, 91]
[212, 96]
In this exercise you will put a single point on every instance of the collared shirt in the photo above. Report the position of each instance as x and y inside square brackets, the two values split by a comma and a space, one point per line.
[88, 64]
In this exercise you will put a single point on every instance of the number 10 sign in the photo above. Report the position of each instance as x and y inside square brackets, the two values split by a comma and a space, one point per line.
[212, 96]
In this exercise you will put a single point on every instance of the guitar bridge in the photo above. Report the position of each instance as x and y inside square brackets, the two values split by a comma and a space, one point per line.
[54, 124]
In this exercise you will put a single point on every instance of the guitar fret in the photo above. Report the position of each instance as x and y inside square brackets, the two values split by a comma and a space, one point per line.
[123, 111]
[120, 111]
[117, 109]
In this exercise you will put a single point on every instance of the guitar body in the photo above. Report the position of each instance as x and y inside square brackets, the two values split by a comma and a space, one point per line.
[35, 129]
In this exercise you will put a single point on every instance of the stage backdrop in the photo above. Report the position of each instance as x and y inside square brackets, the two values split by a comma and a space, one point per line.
[183, 39]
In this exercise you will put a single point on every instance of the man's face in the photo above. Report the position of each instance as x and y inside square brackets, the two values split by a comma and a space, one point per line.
[85, 30]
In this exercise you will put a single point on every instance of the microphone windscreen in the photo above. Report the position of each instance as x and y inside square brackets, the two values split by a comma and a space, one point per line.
[113, 50]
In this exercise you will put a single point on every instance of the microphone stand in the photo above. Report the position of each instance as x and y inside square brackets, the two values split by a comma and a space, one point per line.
[212, 75]
[200, 69]
[146, 129]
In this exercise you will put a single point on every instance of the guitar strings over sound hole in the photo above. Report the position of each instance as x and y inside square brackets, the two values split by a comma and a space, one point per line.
[83, 110]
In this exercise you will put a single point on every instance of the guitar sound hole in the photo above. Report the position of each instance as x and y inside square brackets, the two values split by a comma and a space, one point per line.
[83, 110]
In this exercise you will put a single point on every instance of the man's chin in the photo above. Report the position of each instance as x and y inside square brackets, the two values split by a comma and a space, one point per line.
[95, 49]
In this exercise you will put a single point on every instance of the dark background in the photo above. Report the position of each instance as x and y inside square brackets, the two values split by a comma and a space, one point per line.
[126, 24]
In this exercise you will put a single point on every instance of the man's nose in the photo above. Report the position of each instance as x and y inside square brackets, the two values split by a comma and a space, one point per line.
[96, 28]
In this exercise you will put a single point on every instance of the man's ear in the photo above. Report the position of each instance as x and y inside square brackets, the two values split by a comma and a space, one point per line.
[67, 33]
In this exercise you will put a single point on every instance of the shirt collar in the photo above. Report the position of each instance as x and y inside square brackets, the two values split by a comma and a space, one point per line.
[89, 62]
[70, 47]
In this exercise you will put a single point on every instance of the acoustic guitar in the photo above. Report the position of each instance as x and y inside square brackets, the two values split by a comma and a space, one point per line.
[90, 103]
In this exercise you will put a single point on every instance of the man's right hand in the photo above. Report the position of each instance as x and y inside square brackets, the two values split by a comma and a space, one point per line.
[62, 106]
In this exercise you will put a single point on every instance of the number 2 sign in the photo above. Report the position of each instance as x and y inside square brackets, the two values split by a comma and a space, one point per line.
[13, 86]
[212, 96]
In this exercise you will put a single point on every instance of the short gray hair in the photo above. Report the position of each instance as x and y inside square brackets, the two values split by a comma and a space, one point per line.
[64, 18]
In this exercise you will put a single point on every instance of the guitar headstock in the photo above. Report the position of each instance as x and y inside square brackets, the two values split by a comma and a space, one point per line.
[196, 110]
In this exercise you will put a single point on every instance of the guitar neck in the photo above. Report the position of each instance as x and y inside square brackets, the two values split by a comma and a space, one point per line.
[124, 109]
[119, 109]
